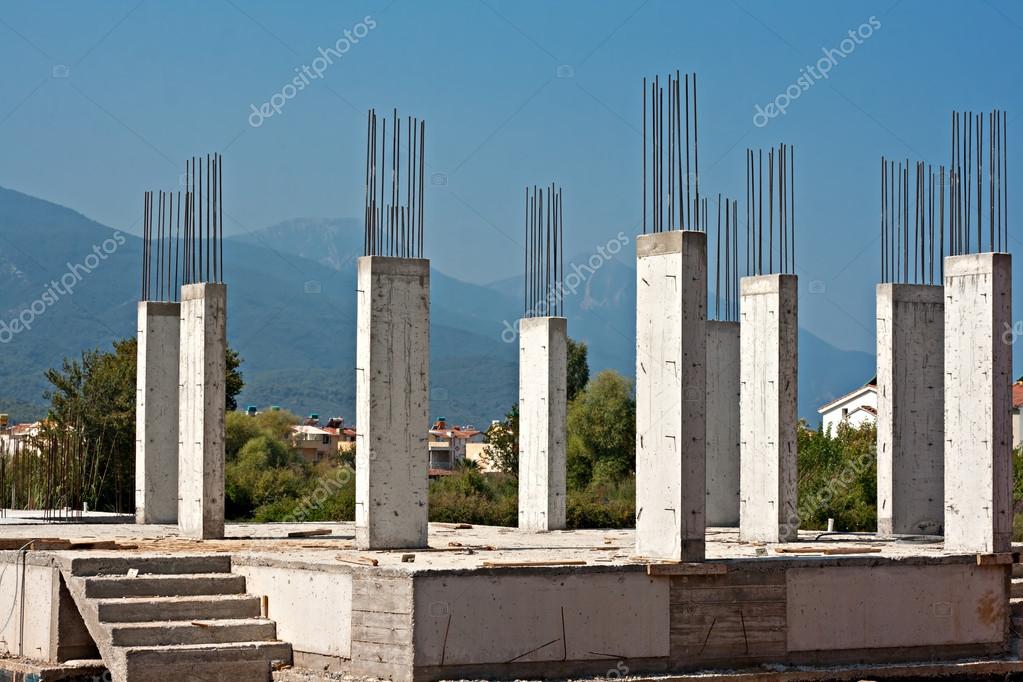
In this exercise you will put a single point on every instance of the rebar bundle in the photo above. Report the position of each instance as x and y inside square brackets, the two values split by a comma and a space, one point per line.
[674, 197]
[726, 302]
[56, 471]
[394, 217]
[545, 252]
[183, 232]
[966, 195]
[780, 206]
[905, 258]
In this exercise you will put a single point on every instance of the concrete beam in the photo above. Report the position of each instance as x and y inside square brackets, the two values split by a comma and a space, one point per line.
[202, 401]
[910, 409]
[671, 395]
[722, 423]
[543, 367]
[156, 412]
[767, 422]
[978, 403]
[392, 403]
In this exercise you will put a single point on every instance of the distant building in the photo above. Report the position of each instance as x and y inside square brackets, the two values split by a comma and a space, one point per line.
[855, 408]
[345, 435]
[448, 444]
[19, 435]
[312, 442]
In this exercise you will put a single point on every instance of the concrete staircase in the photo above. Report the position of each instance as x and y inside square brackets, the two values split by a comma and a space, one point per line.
[170, 617]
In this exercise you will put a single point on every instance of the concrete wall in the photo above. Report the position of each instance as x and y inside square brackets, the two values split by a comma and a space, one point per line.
[768, 363]
[671, 395]
[392, 402]
[156, 413]
[722, 423]
[910, 409]
[543, 365]
[978, 430]
[202, 404]
[320, 625]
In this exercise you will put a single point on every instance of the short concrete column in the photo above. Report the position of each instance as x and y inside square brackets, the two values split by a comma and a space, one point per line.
[978, 385]
[156, 412]
[543, 367]
[203, 369]
[910, 409]
[722, 423]
[671, 395]
[392, 403]
[767, 403]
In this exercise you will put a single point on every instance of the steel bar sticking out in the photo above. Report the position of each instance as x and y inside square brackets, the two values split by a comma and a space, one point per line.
[966, 197]
[393, 226]
[668, 199]
[780, 205]
[543, 293]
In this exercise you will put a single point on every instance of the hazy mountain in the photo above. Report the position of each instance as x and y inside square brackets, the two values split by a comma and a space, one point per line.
[292, 315]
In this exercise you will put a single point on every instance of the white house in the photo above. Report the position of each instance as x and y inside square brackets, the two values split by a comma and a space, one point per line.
[854, 408]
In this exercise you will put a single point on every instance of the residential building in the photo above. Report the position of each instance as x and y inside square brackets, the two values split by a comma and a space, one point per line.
[447, 444]
[1017, 402]
[854, 408]
[18, 435]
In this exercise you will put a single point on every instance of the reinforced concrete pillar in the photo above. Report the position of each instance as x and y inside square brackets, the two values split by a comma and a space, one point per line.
[767, 421]
[543, 367]
[392, 403]
[202, 404]
[156, 413]
[978, 381]
[910, 409]
[671, 395]
[722, 423]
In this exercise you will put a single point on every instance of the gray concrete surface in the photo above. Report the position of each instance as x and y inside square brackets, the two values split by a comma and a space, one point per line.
[671, 394]
[543, 410]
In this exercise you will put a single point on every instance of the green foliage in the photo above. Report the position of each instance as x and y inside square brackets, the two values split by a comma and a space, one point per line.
[265, 472]
[602, 431]
[471, 497]
[603, 504]
[502, 448]
[233, 383]
[578, 368]
[240, 428]
[837, 477]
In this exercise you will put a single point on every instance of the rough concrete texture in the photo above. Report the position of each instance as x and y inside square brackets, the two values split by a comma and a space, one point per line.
[671, 394]
[722, 423]
[910, 409]
[392, 402]
[203, 360]
[767, 472]
[156, 413]
[978, 403]
[543, 408]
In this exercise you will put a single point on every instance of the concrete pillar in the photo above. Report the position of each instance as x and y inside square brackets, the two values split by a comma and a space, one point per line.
[392, 403]
[203, 366]
[910, 409]
[722, 423]
[156, 413]
[767, 403]
[671, 395]
[543, 367]
[978, 381]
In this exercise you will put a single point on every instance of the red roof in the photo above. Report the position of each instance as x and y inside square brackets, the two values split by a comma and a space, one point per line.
[1017, 395]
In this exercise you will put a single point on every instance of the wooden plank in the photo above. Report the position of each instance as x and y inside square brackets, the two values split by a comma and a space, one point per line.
[750, 610]
[379, 619]
[829, 549]
[309, 533]
[365, 633]
[381, 653]
[687, 568]
[732, 578]
[361, 560]
[742, 593]
[998, 559]
[524, 564]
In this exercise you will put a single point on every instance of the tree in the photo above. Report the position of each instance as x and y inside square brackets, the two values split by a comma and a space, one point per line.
[578, 368]
[234, 382]
[266, 471]
[602, 431]
[502, 448]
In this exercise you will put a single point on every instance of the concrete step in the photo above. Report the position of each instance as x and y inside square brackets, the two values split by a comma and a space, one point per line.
[163, 633]
[105, 587]
[1017, 588]
[242, 661]
[1017, 570]
[1016, 606]
[143, 609]
[120, 565]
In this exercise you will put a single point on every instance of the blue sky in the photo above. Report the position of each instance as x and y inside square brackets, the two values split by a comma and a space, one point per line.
[102, 100]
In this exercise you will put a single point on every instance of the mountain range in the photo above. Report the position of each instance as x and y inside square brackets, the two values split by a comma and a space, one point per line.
[291, 315]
